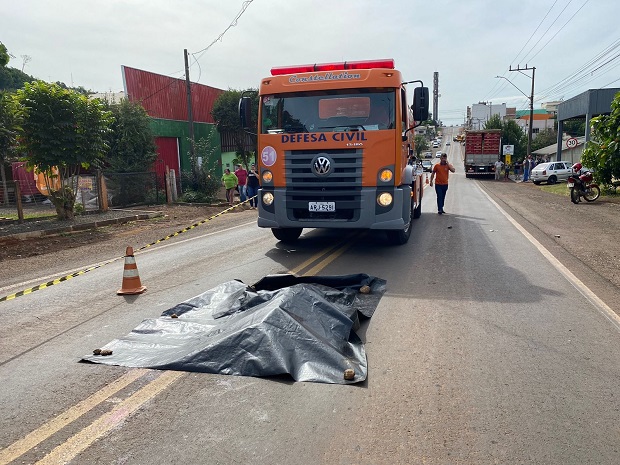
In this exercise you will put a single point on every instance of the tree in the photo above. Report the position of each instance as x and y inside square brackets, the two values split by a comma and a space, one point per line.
[4, 55]
[61, 132]
[225, 112]
[420, 143]
[544, 139]
[8, 136]
[131, 143]
[512, 134]
[602, 154]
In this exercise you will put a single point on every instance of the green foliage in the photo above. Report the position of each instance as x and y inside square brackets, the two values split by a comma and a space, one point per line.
[512, 134]
[4, 55]
[201, 184]
[12, 79]
[602, 153]
[420, 144]
[225, 112]
[61, 132]
[131, 141]
[544, 139]
[575, 128]
[8, 126]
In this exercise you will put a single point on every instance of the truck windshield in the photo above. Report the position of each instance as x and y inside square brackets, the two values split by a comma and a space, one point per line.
[329, 111]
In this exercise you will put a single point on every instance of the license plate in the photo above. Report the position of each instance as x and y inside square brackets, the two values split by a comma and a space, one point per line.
[322, 206]
[570, 184]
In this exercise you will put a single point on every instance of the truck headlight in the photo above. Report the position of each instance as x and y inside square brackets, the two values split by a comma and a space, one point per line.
[267, 198]
[384, 199]
[267, 176]
[386, 175]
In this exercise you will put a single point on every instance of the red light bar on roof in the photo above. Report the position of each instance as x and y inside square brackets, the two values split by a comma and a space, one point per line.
[369, 64]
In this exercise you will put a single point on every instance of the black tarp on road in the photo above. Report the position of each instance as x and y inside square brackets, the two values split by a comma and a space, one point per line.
[283, 324]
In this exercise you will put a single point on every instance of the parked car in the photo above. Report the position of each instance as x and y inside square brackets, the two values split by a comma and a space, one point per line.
[427, 165]
[551, 172]
[428, 154]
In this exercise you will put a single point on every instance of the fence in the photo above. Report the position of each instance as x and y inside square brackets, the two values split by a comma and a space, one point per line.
[125, 189]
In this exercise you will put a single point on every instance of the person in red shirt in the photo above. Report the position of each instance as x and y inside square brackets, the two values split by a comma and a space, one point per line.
[441, 171]
[242, 176]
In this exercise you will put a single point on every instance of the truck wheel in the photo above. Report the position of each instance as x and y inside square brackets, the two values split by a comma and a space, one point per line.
[286, 234]
[417, 212]
[401, 236]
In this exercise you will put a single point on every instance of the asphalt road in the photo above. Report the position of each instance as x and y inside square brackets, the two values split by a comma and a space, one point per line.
[481, 351]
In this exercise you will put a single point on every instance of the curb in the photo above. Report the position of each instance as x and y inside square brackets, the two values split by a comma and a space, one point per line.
[80, 227]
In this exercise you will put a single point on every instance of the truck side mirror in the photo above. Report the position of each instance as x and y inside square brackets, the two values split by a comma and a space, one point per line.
[245, 111]
[420, 104]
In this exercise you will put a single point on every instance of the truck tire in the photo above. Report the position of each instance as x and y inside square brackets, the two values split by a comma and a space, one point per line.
[417, 212]
[401, 236]
[286, 234]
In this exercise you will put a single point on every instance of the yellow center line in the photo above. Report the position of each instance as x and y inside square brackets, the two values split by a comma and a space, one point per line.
[100, 427]
[327, 260]
[46, 430]
[318, 255]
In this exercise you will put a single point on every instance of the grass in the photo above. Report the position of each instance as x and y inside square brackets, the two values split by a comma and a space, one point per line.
[557, 189]
[30, 216]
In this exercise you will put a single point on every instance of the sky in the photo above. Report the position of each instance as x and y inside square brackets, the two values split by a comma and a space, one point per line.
[573, 44]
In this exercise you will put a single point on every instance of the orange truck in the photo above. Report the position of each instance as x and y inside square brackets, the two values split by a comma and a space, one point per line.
[335, 149]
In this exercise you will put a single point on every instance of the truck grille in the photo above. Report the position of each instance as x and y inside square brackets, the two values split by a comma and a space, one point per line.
[342, 185]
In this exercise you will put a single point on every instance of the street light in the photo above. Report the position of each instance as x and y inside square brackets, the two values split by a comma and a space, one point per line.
[531, 99]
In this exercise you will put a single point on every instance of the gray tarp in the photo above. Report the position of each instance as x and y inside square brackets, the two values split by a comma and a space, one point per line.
[302, 326]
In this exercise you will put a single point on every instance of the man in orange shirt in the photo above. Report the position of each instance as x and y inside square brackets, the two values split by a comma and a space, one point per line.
[441, 171]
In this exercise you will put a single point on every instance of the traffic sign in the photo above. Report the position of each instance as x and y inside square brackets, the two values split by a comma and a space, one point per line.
[571, 143]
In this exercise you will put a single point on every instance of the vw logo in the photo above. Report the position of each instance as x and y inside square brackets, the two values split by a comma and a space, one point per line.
[321, 165]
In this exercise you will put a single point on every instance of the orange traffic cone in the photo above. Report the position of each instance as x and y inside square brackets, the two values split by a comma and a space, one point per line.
[131, 279]
[426, 179]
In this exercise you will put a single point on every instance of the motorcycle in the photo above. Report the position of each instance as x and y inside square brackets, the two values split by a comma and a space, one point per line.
[582, 186]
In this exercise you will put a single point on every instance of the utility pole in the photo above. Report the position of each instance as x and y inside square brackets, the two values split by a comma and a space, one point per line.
[190, 116]
[436, 97]
[529, 131]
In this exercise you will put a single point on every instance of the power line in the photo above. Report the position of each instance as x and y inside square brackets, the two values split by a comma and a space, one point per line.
[569, 20]
[501, 84]
[233, 23]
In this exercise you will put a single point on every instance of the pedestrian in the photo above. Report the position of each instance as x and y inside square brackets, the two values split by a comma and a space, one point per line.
[498, 169]
[506, 172]
[527, 166]
[252, 185]
[517, 170]
[441, 170]
[242, 176]
[230, 181]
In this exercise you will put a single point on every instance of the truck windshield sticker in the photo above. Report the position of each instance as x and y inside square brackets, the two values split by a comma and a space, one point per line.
[294, 79]
[268, 156]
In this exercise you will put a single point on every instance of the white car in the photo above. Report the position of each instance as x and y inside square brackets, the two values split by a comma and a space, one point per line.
[551, 172]
[438, 154]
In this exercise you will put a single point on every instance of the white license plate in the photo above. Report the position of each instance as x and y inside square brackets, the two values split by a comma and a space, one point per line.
[322, 206]
[570, 184]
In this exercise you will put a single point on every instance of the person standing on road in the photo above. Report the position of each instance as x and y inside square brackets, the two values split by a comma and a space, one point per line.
[517, 170]
[498, 169]
[230, 181]
[441, 170]
[242, 176]
[527, 166]
[252, 185]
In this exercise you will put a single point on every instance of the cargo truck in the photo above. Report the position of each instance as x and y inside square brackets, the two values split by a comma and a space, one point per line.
[334, 142]
[482, 150]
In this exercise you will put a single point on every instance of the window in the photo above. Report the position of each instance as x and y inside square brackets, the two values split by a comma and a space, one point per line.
[329, 111]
